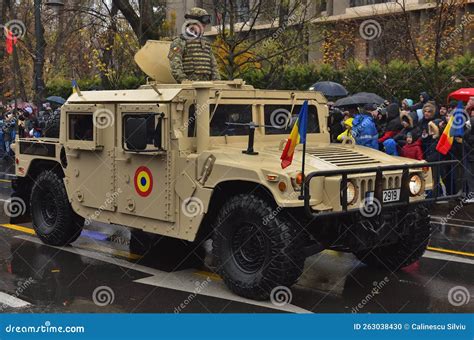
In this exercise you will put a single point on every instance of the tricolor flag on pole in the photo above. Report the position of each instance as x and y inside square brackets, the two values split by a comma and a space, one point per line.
[297, 136]
[454, 128]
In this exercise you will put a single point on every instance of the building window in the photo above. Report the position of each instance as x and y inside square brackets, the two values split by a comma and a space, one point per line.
[357, 3]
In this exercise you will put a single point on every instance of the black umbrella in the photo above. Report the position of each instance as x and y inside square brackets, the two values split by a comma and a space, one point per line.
[359, 99]
[330, 89]
[56, 100]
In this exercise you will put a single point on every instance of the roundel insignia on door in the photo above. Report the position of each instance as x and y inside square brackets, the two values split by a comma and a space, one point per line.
[143, 181]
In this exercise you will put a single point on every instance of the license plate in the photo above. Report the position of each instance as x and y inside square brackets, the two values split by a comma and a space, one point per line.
[392, 195]
[388, 196]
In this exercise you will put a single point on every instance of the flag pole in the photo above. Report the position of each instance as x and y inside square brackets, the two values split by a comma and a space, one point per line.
[302, 171]
[303, 160]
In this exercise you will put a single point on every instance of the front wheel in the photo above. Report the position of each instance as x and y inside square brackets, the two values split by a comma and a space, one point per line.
[409, 248]
[54, 221]
[255, 247]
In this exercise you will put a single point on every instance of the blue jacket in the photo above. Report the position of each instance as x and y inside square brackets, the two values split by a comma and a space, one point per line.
[390, 147]
[364, 131]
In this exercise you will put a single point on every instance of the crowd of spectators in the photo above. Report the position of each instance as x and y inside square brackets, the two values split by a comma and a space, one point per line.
[23, 119]
[413, 129]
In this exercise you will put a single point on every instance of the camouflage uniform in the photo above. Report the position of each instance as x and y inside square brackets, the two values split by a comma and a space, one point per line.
[191, 58]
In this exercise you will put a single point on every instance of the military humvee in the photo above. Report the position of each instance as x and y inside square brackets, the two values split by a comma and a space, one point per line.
[202, 160]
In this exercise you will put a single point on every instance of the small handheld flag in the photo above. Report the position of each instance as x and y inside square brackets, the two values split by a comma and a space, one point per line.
[454, 128]
[297, 136]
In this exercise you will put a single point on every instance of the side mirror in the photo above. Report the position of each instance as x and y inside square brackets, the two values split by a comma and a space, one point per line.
[135, 133]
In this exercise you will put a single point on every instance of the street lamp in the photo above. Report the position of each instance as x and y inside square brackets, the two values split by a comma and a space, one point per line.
[40, 47]
[55, 3]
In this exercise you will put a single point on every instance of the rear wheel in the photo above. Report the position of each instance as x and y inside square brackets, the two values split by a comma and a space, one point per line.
[255, 253]
[407, 250]
[54, 221]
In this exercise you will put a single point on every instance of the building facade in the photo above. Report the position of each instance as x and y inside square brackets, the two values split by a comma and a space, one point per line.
[338, 11]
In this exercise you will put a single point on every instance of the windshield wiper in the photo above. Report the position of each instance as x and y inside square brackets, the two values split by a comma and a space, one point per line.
[252, 126]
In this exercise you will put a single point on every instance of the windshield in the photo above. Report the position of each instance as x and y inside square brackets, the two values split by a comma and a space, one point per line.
[279, 119]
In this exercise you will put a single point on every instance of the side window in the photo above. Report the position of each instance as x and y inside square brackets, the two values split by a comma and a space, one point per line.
[276, 119]
[81, 126]
[225, 113]
[143, 130]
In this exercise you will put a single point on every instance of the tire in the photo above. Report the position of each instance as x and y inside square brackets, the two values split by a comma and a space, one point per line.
[54, 221]
[409, 249]
[254, 253]
[52, 125]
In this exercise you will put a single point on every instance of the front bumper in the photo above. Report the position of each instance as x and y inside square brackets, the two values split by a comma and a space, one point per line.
[378, 192]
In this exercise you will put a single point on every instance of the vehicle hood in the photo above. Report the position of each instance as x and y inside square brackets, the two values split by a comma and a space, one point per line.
[323, 156]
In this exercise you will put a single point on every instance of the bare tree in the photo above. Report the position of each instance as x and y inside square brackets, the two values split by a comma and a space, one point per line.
[440, 23]
[146, 21]
[241, 42]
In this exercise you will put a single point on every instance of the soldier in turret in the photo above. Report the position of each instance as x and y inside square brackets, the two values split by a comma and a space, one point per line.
[191, 56]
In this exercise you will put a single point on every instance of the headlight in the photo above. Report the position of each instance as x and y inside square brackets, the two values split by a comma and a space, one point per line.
[416, 185]
[351, 190]
[311, 88]
[297, 181]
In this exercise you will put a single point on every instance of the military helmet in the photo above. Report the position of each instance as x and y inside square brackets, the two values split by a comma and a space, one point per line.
[200, 15]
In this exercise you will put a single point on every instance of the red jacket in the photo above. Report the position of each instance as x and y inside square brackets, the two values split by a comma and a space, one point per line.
[388, 135]
[413, 150]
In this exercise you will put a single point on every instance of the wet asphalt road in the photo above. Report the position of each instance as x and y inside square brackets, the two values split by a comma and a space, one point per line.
[98, 273]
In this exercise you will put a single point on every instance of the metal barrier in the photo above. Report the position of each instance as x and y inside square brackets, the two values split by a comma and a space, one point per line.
[378, 192]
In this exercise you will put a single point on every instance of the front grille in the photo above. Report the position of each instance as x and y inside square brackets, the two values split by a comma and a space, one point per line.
[342, 157]
[388, 182]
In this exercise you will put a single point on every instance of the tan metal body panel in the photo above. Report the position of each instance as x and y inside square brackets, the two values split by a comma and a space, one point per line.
[101, 176]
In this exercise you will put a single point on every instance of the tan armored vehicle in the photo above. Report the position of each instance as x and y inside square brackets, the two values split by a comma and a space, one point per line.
[202, 160]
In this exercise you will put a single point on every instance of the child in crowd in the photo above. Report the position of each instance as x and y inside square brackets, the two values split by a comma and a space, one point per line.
[412, 148]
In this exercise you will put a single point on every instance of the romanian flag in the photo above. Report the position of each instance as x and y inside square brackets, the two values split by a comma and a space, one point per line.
[10, 41]
[454, 128]
[297, 136]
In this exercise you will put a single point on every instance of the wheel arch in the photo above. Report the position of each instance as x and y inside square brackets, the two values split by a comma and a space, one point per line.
[22, 186]
[222, 191]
